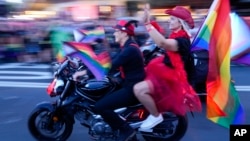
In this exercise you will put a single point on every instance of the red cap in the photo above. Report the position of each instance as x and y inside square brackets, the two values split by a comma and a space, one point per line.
[123, 26]
[183, 14]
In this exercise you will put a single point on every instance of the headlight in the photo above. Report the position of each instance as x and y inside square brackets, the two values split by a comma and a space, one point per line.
[59, 86]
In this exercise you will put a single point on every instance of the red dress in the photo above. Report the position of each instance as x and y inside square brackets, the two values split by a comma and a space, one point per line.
[170, 88]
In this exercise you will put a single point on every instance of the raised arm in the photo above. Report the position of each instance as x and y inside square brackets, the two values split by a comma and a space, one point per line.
[159, 39]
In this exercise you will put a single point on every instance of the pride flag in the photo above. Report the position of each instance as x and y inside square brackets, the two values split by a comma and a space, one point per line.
[223, 104]
[89, 36]
[99, 64]
[240, 45]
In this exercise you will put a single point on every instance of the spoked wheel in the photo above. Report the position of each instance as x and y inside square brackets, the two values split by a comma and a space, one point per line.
[173, 128]
[47, 127]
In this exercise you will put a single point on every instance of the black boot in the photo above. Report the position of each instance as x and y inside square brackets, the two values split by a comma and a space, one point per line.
[126, 133]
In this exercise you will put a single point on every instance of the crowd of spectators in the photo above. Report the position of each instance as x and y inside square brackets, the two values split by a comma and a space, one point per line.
[32, 41]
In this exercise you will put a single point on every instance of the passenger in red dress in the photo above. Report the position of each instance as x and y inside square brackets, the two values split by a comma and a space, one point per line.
[167, 87]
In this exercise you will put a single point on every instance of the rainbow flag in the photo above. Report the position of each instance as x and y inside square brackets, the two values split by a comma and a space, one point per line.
[60, 56]
[240, 45]
[223, 104]
[99, 65]
[89, 36]
[79, 35]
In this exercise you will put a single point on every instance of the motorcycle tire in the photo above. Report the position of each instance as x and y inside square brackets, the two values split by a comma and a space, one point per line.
[178, 132]
[49, 127]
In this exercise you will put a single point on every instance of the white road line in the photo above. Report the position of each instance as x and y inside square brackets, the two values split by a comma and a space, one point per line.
[26, 72]
[36, 75]
[23, 84]
[24, 65]
[243, 88]
[26, 77]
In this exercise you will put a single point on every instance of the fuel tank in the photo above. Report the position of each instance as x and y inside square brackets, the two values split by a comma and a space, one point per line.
[96, 88]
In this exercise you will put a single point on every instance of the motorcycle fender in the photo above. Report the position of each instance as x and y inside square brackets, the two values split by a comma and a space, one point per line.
[47, 105]
[51, 107]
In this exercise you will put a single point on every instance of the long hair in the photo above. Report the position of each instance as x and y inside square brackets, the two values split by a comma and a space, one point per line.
[186, 27]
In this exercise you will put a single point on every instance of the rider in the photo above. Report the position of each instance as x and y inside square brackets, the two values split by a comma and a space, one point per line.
[130, 62]
[166, 87]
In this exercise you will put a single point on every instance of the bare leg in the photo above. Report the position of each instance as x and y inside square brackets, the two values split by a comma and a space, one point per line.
[142, 92]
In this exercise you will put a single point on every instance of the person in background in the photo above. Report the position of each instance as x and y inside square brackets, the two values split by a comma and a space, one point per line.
[46, 47]
[166, 87]
[130, 63]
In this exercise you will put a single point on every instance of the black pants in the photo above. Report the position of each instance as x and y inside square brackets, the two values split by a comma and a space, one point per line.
[118, 99]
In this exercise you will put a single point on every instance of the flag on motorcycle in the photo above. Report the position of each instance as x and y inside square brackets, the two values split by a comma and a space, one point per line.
[223, 104]
[89, 35]
[240, 48]
[99, 64]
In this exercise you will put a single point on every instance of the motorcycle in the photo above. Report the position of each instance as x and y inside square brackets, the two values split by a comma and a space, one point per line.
[53, 121]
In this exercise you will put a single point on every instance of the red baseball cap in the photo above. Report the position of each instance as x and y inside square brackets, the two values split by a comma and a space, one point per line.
[182, 13]
[125, 27]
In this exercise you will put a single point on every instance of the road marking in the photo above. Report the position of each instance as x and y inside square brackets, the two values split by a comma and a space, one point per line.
[37, 75]
[23, 84]
[11, 120]
[242, 88]
[24, 65]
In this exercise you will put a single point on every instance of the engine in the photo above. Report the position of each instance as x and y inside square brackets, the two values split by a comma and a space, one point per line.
[97, 127]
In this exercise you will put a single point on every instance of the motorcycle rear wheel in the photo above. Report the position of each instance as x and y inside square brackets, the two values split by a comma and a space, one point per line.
[178, 131]
[43, 127]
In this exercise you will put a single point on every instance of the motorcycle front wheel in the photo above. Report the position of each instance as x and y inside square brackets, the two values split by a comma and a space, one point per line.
[45, 126]
[173, 128]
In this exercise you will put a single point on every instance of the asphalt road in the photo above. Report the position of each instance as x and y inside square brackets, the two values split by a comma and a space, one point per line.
[25, 86]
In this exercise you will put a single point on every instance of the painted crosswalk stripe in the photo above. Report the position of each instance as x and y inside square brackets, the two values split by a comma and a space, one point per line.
[23, 84]
[24, 66]
[13, 75]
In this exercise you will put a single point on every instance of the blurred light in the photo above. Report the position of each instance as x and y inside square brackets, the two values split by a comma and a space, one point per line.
[14, 1]
[105, 8]
[86, 12]
[47, 13]
[22, 17]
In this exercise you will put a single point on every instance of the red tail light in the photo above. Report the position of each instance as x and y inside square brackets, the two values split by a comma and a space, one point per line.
[140, 114]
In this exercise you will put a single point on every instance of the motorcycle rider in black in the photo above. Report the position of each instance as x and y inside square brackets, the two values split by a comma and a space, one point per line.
[130, 62]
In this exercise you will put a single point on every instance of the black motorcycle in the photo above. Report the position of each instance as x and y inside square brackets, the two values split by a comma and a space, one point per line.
[53, 121]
